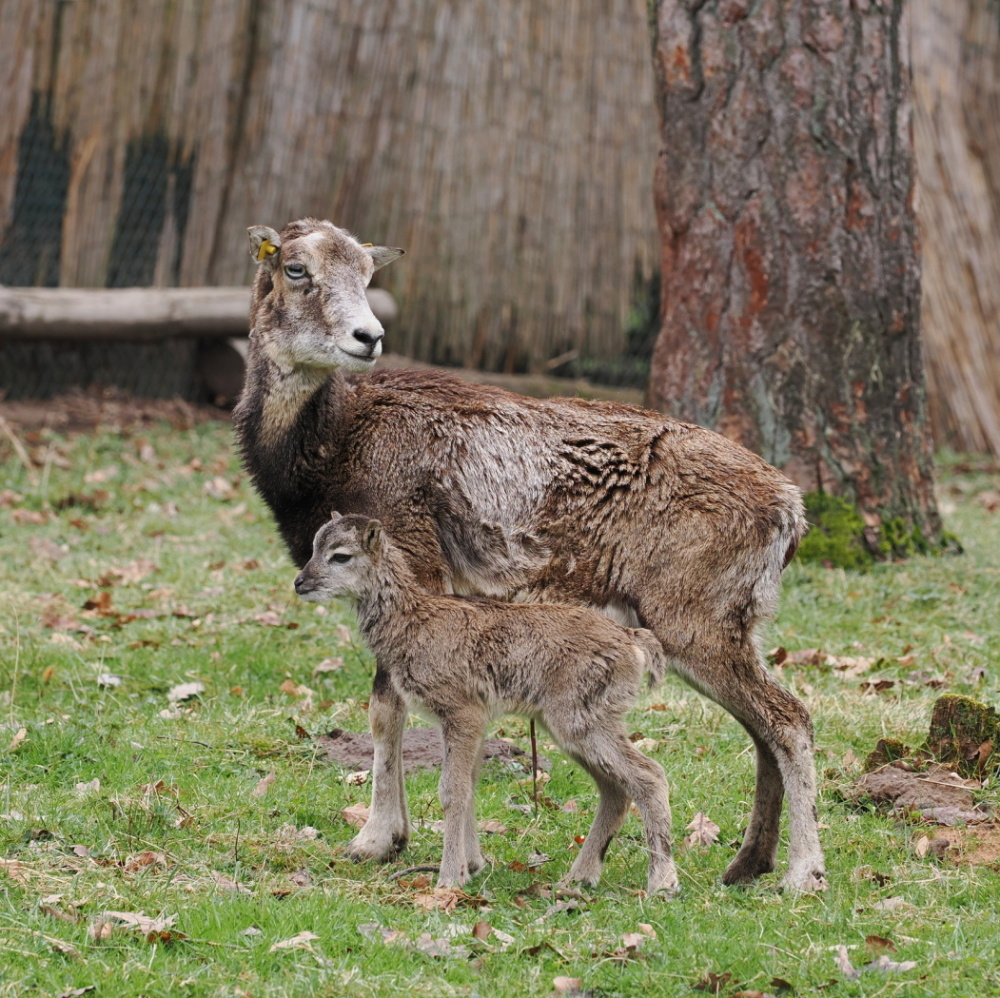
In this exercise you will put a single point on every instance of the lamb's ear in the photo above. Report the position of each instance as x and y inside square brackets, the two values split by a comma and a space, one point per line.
[381, 255]
[264, 245]
[335, 516]
[373, 537]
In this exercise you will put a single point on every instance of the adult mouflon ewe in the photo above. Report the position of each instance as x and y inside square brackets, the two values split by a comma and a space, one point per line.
[467, 660]
[654, 522]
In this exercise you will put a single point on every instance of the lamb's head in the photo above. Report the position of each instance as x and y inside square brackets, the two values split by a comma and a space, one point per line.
[346, 553]
[309, 308]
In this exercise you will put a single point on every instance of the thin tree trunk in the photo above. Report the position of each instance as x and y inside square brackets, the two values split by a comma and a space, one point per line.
[791, 277]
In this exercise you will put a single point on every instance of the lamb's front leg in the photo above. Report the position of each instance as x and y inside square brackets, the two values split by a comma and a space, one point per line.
[388, 827]
[463, 746]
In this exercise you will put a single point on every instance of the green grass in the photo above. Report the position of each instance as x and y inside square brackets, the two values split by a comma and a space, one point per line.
[195, 571]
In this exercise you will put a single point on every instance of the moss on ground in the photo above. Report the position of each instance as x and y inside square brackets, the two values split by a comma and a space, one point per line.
[836, 533]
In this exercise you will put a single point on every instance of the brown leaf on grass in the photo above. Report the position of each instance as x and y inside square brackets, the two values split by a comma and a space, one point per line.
[129, 574]
[344, 635]
[876, 685]
[24, 517]
[491, 827]
[989, 500]
[144, 860]
[714, 983]
[358, 778]
[155, 930]
[302, 940]
[185, 691]
[481, 931]
[440, 947]
[921, 845]
[751, 994]
[704, 831]
[567, 985]
[9, 498]
[420, 882]
[47, 550]
[892, 904]
[19, 737]
[844, 965]
[886, 966]
[264, 785]
[447, 899]
[63, 916]
[221, 488]
[328, 665]
[225, 883]
[372, 930]
[880, 943]
[16, 870]
[76, 992]
[356, 815]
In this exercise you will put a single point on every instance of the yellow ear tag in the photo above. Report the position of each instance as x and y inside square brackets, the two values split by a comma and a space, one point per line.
[267, 248]
[367, 245]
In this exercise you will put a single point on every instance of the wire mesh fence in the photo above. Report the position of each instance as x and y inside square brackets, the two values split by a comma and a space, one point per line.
[509, 147]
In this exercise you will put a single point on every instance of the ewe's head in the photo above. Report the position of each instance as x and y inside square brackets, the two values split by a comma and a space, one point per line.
[345, 551]
[309, 301]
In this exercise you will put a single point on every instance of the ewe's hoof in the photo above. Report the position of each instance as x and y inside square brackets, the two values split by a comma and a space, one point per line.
[812, 882]
[364, 850]
[745, 870]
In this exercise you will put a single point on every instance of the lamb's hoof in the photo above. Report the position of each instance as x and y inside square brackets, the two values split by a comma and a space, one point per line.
[363, 850]
[811, 882]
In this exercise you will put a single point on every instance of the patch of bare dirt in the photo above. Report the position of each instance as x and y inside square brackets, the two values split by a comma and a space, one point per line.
[979, 846]
[109, 409]
[939, 794]
[422, 749]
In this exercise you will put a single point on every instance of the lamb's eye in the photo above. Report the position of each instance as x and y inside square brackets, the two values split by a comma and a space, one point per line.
[295, 270]
[340, 558]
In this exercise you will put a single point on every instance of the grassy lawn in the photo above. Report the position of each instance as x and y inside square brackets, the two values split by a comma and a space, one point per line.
[132, 563]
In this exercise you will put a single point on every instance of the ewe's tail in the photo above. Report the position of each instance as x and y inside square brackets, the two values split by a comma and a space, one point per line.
[654, 659]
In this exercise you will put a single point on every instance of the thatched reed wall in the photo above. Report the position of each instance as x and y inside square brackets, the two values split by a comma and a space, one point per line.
[508, 145]
[956, 78]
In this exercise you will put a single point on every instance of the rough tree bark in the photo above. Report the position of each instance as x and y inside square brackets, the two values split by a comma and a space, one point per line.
[956, 84]
[791, 276]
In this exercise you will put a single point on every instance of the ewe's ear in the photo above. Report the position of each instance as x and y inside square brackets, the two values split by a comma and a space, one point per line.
[264, 245]
[373, 537]
[381, 255]
[335, 516]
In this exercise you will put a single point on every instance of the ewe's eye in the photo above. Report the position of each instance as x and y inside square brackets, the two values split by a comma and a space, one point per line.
[340, 558]
[295, 270]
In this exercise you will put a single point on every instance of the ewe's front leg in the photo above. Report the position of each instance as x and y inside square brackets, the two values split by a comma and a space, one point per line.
[388, 827]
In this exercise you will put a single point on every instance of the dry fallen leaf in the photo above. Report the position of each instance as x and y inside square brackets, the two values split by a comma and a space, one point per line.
[880, 943]
[88, 788]
[714, 983]
[301, 941]
[358, 778]
[704, 831]
[185, 691]
[448, 899]
[844, 964]
[22, 733]
[356, 815]
[886, 966]
[143, 860]
[566, 985]
[154, 929]
[264, 785]
[328, 665]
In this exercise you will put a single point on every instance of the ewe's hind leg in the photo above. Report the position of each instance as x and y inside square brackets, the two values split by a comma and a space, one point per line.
[760, 844]
[779, 724]
[388, 827]
[621, 772]
[463, 747]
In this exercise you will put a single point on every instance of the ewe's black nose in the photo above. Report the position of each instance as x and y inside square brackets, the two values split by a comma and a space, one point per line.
[368, 337]
[303, 585]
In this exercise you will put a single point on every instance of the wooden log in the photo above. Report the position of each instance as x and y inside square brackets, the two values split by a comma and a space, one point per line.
[137, 313]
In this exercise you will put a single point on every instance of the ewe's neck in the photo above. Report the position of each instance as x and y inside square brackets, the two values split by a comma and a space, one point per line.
[280, 391]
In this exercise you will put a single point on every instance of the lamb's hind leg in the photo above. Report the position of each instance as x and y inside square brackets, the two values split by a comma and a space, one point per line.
[623, 772]
[387, 830]
[760, 843]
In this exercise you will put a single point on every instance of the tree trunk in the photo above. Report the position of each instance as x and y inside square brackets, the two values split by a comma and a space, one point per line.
[956, 84]
[791, 277]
